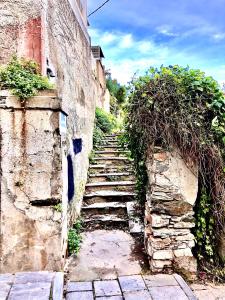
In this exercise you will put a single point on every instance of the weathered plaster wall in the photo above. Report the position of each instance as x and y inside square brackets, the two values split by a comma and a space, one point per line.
[70, 54]
[30, 185]
[169, 216]
[63, 41]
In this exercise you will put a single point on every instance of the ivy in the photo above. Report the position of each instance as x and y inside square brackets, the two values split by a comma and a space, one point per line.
[23, 78]
[183, 108]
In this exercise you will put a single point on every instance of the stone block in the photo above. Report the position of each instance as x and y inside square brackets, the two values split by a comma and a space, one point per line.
[158, 221]
[80, 296]
[183, 252]
[160, 280]
[142, 295]
[132, 283]
[37, 290]
[167, 293]
[163, 255]
[159, 265]
[79, 286]
[107, 288]
[4, 290]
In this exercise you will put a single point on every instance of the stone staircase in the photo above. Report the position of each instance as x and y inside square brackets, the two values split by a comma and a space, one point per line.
[109, 200]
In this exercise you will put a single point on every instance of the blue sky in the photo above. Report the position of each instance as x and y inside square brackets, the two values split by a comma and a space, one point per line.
[135, 35]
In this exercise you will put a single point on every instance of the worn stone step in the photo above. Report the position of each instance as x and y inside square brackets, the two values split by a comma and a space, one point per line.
[104, 168]
[106, 219]
[110, 194]
[112, 161]
[111, 177]
[111, 186]
[105, 208]
[115, 198]
[103, 205]
[111, 153]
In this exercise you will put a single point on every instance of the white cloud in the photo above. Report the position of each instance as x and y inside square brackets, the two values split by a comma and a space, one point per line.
[166, 30]
[127, 41]
[108, 38]
[219, 36]
[145, 46]
[125, 55]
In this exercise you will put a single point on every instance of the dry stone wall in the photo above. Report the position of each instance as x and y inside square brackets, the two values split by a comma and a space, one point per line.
[169, 216]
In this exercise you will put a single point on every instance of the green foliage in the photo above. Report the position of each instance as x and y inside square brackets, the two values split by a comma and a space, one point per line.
[104, 121]
[75, 238]
[104, 124]
[22, 77]
[98, 137]
[58, 207]
[204, 230]
[118, 95]
[182, 108]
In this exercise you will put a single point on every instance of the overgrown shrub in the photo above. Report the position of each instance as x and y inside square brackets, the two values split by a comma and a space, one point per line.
[104, 120]
[104, 124]
[23, 78]
[183, 108]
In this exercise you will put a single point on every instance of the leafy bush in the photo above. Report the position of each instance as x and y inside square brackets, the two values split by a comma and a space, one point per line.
[75, 238]
[104, 121]
[183, 108]
[23, 78]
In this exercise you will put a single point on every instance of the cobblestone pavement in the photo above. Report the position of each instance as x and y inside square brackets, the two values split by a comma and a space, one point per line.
[31, 286]
[135, 287]
[209, 291]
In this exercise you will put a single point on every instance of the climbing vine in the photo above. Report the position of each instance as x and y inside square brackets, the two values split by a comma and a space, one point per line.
[183, 108]
[23, 78]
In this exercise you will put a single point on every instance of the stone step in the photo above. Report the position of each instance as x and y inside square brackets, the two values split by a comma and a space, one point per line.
[117, 183]
[103, 205]
[109, 194]
[116, 198]
[111, 161]
[105, 208]
[104, 168]
[127, 186]
[106, 221]
[111, 153]
[111, 177]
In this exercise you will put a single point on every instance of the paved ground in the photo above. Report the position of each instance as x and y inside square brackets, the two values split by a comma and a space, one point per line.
[136, 287]
[31, 286]
[105, 255]
[209, 291]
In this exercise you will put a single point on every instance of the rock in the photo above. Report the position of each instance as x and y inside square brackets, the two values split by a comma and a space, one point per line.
[182, 252]
[163, 254]
[158, 221]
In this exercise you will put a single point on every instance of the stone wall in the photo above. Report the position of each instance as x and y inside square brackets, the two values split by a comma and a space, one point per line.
[169, 215]
[30, 184]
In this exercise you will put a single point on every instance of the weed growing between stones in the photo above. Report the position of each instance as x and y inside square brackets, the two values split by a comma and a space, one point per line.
[75, 238]
[23, 78]
[175, 107]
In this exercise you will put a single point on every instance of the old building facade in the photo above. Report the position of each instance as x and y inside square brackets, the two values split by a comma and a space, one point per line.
[45, 142]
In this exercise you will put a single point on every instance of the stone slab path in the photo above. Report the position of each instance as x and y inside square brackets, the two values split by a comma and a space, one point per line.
[32, 286]
[136, 287]
[105, 254]
[209, 291]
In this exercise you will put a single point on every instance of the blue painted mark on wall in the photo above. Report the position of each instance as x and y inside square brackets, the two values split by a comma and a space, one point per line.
[77, 146]
[70, 178]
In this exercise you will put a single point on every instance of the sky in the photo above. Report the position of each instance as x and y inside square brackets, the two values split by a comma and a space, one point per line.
[136, 35]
